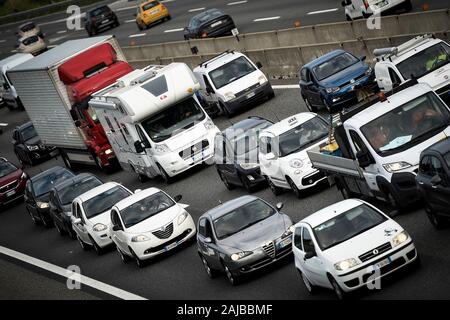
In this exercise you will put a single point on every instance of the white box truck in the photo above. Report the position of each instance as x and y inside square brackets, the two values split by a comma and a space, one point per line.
[154, 121]
[45, 98]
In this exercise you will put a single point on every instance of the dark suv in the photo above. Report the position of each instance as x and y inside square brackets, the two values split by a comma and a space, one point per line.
[209, 24]
[100, 18]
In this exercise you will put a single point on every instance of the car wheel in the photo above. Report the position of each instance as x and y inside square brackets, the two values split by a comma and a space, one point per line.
[33, 218]
[83, 245]
[72, 233]
[311, 289]
[142, 178]
[60, 231]
[167, 179]
[169, 17]
[294, 188]
[122, 255]
[309, 106]
[231, 278]
[326, 105]
[275, 190]
[185, 38]
[139, 262]
[139, 26]
[225, 181]
[209, 271]
[437, 221]
[96, 247]
[340, 294]
[225, 110]
[348, 17]
[45, 222]
[28, 160]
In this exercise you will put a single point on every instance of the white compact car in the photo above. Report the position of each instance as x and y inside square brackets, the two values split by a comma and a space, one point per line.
[149, 223]
[91, 215]
[349, 245]
[283, 152]
[357, 9]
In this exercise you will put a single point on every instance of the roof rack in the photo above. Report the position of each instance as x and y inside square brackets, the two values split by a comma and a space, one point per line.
[205, 63]
[388, 53]
[150, 72]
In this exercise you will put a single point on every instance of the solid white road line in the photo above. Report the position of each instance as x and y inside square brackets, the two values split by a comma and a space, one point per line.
[119, 293]
[62, 31]
[286, 86]
[136, 35]
[126, 8]
[1, 41]
[236, 2]
[266, 19]
[323, 11]
[53, 40]
[3, 124]
[131, 20]
[196, 9]
[174, 30]
[13, 51]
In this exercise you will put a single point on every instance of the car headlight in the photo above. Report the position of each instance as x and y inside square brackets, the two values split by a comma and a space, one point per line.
[182, 217]
[23, 176]
[346, 264]
[108, 151]
[98, 227]
[229, 96]
[369, 71]
[42, 205]
[396, 166]
[262, 79]
[400, 238]
[248, 166]
[288, 232]
[239, 255]
[296, 163]
[140, 238]
[333, 89]
[161, 148]
[33, 148]
[209, 124]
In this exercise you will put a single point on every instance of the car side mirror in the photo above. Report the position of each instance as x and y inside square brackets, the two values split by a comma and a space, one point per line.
[139, 147]
[117, 228]
[309, 255]
[5, 86]
[258, 65]
[210, 90]
[436, 180]
[77, 123]
[363, 58]
[76, 221]
[279, 206]
[178, 198]
[208, 240]
[363, 158]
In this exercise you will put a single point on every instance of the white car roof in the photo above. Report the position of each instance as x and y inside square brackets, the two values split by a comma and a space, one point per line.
[128, 201]
[220, 61]
[97, 190]
[325, 214]
[405, 54]
[287, 124]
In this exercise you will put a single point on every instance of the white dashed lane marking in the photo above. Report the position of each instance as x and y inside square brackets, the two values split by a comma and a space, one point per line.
[174, 30]
[196, 9]
[236, 2]
[323, 11]
[136, 35]
[267, 19]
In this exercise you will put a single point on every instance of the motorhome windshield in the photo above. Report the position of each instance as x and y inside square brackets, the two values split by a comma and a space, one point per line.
[173, 120]
[407, 125]
[425, 61]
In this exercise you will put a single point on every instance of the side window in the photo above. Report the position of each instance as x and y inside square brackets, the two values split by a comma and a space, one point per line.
[395, 79]
[208, 229]
[79, 212]
[28, 190]
[115, 218]
[207, 83]
[308, 244]
[357, 142]
[202, 227]
[142, 136]
[74, 210]
[298, 238]
[425, 166]
[437, 168]
[265, 145]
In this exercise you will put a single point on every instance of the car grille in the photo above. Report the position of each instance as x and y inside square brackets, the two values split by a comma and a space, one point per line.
[375, 252]
[164, 234]
[355, 79]
[269, 249]
[165, 244]
[240, 93]
[194, 149]
[9, 186]
[307, 181]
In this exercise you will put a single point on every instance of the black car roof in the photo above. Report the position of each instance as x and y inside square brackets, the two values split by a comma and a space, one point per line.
[244, 125]
[79, 177]
[442, 147]
[25, 125]
[228, 206]
[50, 171]
[201, 14]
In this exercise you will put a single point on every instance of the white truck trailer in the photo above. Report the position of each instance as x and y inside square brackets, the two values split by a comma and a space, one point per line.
[154, 121]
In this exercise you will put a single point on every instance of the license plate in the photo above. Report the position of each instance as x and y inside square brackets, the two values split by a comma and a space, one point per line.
[215, 24]
[171, 246]
[197, 157]
[105, 21]
[155, 11]
[383, 263]
[285, 243]
[250, 95]
[11, 193]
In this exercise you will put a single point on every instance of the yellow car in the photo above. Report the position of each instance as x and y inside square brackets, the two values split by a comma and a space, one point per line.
[150, 12]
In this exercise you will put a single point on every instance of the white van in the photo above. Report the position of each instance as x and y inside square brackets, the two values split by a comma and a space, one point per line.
[425, 58]
[154, 121]
[357, 9]
[231, 81]
[8, 92]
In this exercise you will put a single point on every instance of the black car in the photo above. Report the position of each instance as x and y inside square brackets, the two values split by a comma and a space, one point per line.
[433, 181]
[100, 18]
[209, 24]
[236, 154]
[37, 193]
[28, 146]
[61, 197]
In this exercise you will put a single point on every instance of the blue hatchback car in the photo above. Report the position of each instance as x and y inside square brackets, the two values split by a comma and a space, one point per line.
[331, 81]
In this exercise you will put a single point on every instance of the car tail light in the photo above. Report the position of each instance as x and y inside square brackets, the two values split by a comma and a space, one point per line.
[366, 3]
[204, 34]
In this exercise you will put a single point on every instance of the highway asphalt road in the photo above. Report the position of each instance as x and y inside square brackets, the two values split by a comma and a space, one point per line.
[249, 16]
[180, 275]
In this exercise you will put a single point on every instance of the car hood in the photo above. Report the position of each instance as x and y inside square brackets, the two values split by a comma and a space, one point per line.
[242, 83]
[13, 176]
[364, 242]
[157, 221]
[257, 235]
[303, 155]
[104, 218]
[345, 75]
[43, 198]
[438, 78]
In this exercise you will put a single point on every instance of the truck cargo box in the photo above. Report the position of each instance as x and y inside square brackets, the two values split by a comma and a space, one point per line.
[86, 63]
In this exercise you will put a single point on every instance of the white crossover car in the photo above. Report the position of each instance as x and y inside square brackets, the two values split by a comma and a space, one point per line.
[149, 223]
[349, 245]
[283, 152]
[91, 214]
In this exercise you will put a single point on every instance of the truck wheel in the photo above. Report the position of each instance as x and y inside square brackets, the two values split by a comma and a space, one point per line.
[167, 179]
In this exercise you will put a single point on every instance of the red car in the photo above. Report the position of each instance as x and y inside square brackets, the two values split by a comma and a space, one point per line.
[12, 182]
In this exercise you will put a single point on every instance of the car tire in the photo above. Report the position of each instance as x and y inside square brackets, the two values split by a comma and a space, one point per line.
[99, 251]
[325, 104]
[340, 294]
[309, 106]
[125, 258]
[169, 17]
[139, 27]
[167, 179]
[228, 185]
[233, 279]
[209, 271]
[46, 223]
[142, 178]
[20, 105]
[271, 95]
[225, 110]
[308, 285]
[437, 221]
[33, 218]
[275, 190]
[294, 188]
[72, 234]
[139, 263]
[83, 245]
[347, 17]
[60, 231]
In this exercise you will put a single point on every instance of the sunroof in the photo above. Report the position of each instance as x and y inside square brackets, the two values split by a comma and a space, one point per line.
[157, 86]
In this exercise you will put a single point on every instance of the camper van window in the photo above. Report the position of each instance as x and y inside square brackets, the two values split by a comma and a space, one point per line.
[157, 86]
[142, 137]
[173, 120]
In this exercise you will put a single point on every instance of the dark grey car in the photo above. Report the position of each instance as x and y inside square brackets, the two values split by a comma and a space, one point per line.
[242, 236]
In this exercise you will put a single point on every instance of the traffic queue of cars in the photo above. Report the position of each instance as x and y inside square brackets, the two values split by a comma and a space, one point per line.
[156, 125]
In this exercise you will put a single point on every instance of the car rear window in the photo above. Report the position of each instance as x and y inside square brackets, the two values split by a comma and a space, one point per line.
[150, 5]
[30, 40]
[99, 11]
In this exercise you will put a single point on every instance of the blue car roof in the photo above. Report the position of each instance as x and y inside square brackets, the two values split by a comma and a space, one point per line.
[324, 58]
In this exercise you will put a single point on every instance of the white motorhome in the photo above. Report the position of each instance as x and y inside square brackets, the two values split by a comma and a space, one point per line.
[8, 92]
[357, 9]
[425, 58]
[154, 121]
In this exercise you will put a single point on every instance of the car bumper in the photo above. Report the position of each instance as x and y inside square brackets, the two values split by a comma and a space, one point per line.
[253, 176]
[102, 239]
[44, 153]
[308, 178]
[223, 29]
[349, 95]
[365, 276]
[249, 98]
[13, 194]
[110, 23]
[181, 233]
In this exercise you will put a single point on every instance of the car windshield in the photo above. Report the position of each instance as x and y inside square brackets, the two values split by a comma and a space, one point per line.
[44, 184]
[30, 40]
[71, 191]
[6, 168]
[104, 201]
[100, 11]
[425, 61]
[241, 218]
[407, 125]
[204, 17]
[302, 136]
[231, 71]
[28, 133]
[248, 140]
[173, 120]
[146, 208]
[347, 225]
[149, 5]
[334, 65]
